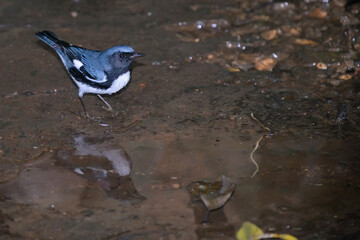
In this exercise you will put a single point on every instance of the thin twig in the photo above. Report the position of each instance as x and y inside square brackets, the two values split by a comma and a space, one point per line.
[130, 126]
[252, 158]
[133, 124]
[261, 125]
[257, 144]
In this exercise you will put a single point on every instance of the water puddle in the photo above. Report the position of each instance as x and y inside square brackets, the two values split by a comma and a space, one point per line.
[98, 181]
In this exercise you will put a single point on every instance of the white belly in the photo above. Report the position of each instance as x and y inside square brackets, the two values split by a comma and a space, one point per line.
[118, 84]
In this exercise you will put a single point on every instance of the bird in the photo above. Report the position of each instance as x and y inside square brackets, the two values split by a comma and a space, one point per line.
[93, 71]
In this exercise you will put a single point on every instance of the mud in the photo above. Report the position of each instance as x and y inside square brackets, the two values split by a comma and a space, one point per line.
[184, 117]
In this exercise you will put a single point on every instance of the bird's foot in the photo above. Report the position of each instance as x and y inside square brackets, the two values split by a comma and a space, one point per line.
[205, 223]
[90, 118]
[114, 113]
[108, 108]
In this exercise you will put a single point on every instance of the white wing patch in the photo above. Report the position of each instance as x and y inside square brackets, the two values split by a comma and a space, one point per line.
[78, 64]
[95, 80]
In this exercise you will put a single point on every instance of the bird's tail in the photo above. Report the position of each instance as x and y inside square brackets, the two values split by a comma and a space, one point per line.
[50, 38]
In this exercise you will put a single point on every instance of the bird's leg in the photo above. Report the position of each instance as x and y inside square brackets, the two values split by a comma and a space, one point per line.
[206, 222]
[83, 105]
[109, 108]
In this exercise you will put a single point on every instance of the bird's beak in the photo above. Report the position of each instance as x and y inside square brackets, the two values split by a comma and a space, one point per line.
[135, 55]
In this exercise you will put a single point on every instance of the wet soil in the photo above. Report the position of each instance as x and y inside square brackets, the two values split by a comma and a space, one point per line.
[184, 117]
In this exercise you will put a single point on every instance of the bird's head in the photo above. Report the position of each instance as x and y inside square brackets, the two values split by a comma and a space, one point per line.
[121, 56]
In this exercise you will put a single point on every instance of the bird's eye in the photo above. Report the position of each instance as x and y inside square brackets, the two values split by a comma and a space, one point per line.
[122, 55]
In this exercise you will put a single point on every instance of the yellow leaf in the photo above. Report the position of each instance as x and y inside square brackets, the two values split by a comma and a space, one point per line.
[249, 231]
[278, 236]
[231, 69]
[287, 237]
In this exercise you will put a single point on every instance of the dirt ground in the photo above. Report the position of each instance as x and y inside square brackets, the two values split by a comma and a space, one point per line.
[184, 117]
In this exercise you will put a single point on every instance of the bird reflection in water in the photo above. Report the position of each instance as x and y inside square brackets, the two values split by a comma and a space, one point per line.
[103, 163]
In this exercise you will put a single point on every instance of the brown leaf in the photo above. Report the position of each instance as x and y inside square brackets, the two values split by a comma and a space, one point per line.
[269, 35]
[265, 64]
[318, 13]
[345, 77]
[294, 31]
[321, 66]
[303, 41]
[231, 69]
[261, 18]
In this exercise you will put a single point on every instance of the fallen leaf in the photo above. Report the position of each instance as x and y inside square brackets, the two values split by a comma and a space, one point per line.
[282, 236]
[303, 41]
[249, 231]
[345, 77]
[214, 195]
[295, 31]
[321, 66]
[269, 35]
[261, 18]
[231, 69]
[266, 64]
[251, 57]
[318, 13]
[215, 198]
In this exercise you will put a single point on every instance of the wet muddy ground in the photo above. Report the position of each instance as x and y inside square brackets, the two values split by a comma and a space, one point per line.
[184, 117]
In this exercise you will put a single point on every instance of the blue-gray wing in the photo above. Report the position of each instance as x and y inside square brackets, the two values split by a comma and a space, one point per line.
[80, 77]
[86, 61]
